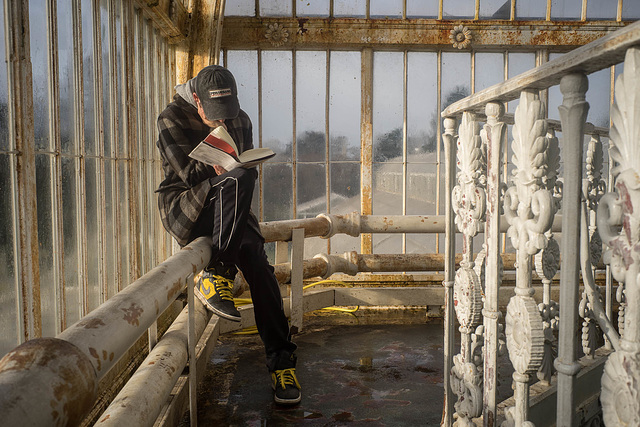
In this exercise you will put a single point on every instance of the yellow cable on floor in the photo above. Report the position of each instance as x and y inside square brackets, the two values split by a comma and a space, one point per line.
[254, 329]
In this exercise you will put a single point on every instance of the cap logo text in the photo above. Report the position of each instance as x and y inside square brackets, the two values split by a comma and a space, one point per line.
[218, 93]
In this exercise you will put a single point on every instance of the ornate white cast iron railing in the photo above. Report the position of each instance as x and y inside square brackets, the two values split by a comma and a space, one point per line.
[530, 198]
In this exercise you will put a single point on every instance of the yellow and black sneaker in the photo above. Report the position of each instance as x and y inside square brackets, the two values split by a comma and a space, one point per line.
[216, 293]
[286, 387]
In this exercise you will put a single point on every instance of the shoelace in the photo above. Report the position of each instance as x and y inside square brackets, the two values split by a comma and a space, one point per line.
[287, 377]
[223, 287]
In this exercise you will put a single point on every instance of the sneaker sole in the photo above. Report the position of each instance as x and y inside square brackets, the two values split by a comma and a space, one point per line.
[212, 309]
[287, 401]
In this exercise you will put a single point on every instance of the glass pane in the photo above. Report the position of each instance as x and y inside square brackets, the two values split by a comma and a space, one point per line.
[555, 96]
[422, 106]
[109, 219]
[9, 300]
[387, 189]
[311, 77]
[277, 105]
[422, 182]
[531, 9]
[72, 289]
[344, 106]
[421, 243]
[93, 241]
[126, 215]
[456, 77]
[606, 9]
[120, 84]
[518, 64]
[90, 143]
[598, 96]
[66, 73]
[386, 9]
[106, 84]
[240, 8]
[46, 250]
[40, 71]
[311, 189]
[244, 66]
[422, 8]
[489, 70]
[388, 77]
[275, 8]
[387, 243]
[345, 198]
[350, 8]
[566, 9]
[495, 9]
[458, 9]
[630, 9]
[278, 191]
[312, 8]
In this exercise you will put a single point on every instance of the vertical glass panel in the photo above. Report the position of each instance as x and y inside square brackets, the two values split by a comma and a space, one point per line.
[630, 9]
[9, 300]
[277, 104]
[312, 8]
[350, 8]
[240, 8]
[275, 8]
[456, 77]
[566, 9]
[518, 64]
[489, 69]
[458, 9]
[106, 81]
[422, 106]
[598, 97]
[531, 9]
[310, 189]
[126, 216]
[109, 219]
[278, 191]
[244, 66]
[46, 249]
[120, 83]
[90, 143]
[92, 222]
[555, 96]
[495, 9]
[388, 81]
[387, 189]
[72, 289]
[387, 243]
[386, 8]
[422, 8]
[344, 106]
[607, 9]
[66, 73]
[422, 183]
[345, 198]
[40, 71]
[311, 93]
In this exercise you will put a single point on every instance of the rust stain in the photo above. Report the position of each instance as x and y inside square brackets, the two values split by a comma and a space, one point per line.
[174, 290]
[93, 323]
[301, 22]
[132, 314]
[105, 418]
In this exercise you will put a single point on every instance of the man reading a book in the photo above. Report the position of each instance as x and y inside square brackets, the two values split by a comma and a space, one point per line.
[196, 199]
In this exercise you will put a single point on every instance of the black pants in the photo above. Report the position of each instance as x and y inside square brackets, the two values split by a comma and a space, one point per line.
[237, 240]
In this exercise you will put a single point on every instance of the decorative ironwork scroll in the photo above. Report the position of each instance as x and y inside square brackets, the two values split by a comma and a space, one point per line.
[619, 226]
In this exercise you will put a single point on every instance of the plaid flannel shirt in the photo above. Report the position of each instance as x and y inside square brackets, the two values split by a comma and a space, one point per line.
[183, 192]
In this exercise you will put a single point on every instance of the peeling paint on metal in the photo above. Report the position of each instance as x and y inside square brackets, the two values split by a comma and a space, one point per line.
[132, 314]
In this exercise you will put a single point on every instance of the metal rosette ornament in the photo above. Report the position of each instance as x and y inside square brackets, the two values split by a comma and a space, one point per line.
[525, 336]
[619, 226]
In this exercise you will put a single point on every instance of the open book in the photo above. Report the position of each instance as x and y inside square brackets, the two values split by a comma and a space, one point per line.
[218, 148]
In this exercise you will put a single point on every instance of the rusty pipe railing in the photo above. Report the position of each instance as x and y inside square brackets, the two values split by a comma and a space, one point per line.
[64, 371]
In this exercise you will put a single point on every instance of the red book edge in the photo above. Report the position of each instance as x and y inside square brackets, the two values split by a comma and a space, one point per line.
[221, 145]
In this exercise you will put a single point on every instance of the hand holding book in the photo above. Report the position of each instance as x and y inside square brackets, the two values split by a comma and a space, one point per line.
[218, 148]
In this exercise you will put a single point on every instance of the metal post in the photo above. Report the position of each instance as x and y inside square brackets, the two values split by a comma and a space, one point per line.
[297, 266]
[573, 113]
[193, 379]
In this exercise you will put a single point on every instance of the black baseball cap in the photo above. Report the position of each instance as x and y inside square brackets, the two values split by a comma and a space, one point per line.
[216, 88]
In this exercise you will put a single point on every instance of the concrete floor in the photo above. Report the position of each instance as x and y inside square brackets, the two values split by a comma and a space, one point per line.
[383, 369]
